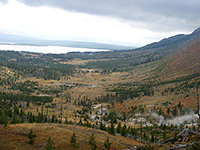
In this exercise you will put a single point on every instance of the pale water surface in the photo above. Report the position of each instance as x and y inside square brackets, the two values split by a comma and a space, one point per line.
[47, 49]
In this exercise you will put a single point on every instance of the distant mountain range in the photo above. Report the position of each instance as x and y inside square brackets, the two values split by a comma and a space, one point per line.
[187, 59]
[183, 53]
[23, 40]
[174, 41]
[171, 44]
[178, 54]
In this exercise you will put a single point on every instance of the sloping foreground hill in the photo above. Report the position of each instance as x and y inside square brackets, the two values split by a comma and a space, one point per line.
[14, 137]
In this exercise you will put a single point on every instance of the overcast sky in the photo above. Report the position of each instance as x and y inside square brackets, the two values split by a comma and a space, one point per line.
[123, 22]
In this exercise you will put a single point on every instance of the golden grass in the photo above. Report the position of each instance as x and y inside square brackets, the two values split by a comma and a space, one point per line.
[60, 134]
[92, 85]
[77, 61]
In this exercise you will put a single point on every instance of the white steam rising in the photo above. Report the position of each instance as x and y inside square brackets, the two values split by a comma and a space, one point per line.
[176, 121]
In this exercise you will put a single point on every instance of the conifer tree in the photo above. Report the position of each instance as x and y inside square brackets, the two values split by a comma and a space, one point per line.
[168, 110]
[112, 128]
[175, 111]
[14, 120]
[31, 136]
[119, 128]
[107, 144]
[39, 119]
[31, 118]
[45, 119]
[53, 119]
[16, 110]
[92, 142]
[164, 135]
[152, 137]
[66, 121]
[50, 144]
[123, 132]
[21, 112]
[133, 132]
[4, 121]
[22, 119]
[73, 139]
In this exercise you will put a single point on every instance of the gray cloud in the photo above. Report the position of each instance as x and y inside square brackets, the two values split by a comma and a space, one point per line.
[3, 1]
[161, 15]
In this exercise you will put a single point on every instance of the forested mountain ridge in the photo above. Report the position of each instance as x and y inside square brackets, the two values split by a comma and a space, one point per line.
[177, 41]
[187, 59]
[184, 61]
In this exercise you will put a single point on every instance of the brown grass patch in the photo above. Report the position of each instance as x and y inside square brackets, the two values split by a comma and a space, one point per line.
[60, 134]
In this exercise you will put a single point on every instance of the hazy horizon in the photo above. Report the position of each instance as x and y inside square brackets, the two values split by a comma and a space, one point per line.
[47, 49]
[131, 23]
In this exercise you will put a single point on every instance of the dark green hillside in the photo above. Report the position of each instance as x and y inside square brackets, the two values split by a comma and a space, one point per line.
[173, 43]
[34, 64]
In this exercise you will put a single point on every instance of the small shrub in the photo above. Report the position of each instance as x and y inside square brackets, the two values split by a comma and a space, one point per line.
[31, 136]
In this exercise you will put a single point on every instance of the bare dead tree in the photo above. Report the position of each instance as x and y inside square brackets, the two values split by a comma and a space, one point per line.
[47, 111]
[141, 128]
[61, 113]
[197, 100]
[67, 97]
[61, 107]
[24, 100]
[101, 124]
[42, 108]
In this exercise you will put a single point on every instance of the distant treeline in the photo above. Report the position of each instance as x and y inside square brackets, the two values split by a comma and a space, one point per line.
[14, 98]
[53, 66]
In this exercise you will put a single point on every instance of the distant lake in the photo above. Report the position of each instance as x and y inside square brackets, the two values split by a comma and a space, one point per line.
[47, 49]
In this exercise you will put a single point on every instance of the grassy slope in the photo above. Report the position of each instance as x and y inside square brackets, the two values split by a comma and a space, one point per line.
[187, 59]
[60, 134]
[184, 62]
